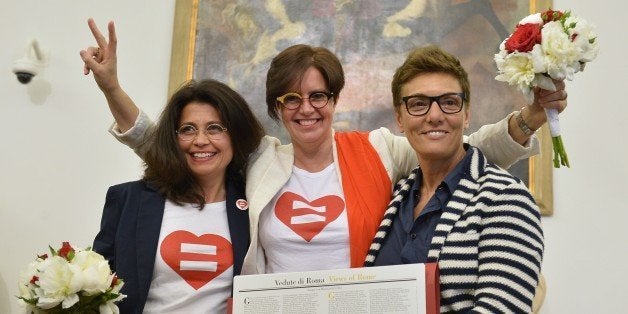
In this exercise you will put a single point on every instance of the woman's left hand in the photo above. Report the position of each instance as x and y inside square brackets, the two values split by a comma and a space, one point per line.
[545, 99]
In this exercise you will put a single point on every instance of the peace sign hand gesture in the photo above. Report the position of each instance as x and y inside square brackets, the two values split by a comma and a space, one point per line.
[102, 60]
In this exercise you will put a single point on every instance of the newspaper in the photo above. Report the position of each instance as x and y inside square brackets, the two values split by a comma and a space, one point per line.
[384, 289]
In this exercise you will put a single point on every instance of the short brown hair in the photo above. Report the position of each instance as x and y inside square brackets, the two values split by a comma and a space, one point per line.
[289, 66]
[428, 59]
[166, 166]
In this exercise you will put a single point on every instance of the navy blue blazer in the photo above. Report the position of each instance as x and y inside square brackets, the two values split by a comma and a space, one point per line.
[129, 232]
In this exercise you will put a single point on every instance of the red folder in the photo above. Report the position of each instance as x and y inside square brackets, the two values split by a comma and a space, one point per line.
[432, 288]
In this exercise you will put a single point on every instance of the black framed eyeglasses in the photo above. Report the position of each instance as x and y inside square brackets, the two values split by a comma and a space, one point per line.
[418, 105]
[293, 101]
[188, 132]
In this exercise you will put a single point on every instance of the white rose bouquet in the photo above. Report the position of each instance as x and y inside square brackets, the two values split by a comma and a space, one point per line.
[546, 46]
[69, 281]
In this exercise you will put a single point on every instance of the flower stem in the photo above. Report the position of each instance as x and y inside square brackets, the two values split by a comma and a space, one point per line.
[560, 155]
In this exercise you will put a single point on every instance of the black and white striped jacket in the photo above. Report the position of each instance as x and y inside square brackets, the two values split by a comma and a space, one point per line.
[488, 242]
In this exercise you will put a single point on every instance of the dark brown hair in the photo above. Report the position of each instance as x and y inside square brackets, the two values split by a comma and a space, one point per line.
[428, 59]
[166, 166]
[289, 66]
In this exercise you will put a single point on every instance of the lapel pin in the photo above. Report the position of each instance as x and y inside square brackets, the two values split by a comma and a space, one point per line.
[242, 204]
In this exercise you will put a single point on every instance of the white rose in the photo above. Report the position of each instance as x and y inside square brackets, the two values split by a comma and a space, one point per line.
[584, 37]
[561, 54]
[519, 68]
[59, 281]
[532, 19]
[96, 272]
[539, 62]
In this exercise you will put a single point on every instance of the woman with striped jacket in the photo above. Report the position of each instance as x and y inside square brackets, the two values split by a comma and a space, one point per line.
[478, 222]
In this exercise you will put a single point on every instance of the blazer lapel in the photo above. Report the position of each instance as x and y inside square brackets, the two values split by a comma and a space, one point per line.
[238, 219]
[266, 177]
[149, 218]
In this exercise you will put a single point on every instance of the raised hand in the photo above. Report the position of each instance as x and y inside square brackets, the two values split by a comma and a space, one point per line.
[102, 60]
[551, 99]
[545, 99]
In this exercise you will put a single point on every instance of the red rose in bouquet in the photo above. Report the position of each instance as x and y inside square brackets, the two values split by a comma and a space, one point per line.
[551, 15]
[524, 38]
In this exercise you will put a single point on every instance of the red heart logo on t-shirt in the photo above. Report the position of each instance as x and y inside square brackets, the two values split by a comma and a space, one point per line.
[198, 260]
[306, 218]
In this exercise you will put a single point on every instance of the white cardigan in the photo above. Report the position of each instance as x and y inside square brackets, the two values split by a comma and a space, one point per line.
[271, 166]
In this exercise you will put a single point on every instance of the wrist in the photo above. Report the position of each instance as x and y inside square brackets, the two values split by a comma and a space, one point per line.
[523, 124]
[113, 91]
[534, 116]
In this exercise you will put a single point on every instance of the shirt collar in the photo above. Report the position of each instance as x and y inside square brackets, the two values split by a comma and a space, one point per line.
[452, 179]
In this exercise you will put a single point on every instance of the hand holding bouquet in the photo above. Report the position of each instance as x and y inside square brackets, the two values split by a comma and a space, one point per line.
[69, 281]
[546, 46]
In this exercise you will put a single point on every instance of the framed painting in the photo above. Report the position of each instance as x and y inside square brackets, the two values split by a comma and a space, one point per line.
[234, 42]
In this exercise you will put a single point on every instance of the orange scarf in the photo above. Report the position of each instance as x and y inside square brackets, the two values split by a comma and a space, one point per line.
[367, 190]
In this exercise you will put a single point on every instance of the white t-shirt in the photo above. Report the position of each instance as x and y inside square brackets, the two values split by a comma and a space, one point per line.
[194, 261]
[305, 226]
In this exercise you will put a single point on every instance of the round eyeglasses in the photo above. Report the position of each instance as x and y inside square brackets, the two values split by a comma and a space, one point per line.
[188, 132]
[418, 105]
[293, 101]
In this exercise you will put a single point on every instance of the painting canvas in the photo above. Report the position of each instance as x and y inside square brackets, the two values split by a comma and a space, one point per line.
[234, 42]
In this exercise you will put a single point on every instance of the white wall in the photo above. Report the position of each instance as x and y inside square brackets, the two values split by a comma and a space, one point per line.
[57, 160]
[586, 241]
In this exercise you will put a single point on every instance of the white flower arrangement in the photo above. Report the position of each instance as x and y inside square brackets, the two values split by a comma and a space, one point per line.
[69, 281]
[546, 46]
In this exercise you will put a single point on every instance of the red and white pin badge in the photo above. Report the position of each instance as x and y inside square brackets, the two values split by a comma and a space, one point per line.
[242, 204]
